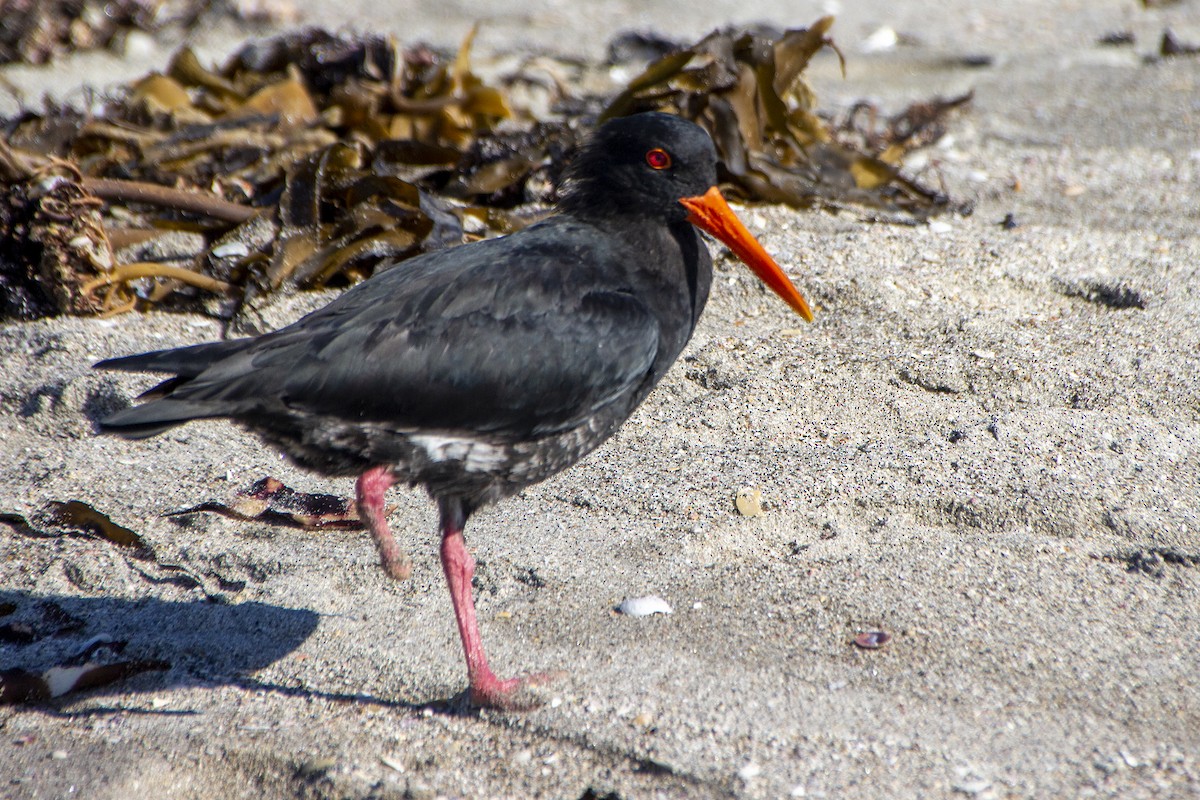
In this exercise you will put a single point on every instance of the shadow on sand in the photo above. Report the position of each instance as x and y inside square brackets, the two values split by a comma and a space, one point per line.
[204, 643]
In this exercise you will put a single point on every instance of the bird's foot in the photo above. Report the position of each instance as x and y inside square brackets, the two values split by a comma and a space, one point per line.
[371, 490]
[396, 563]
[515, 694]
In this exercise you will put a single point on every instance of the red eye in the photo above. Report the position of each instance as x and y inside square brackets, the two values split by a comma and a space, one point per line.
[658, 158]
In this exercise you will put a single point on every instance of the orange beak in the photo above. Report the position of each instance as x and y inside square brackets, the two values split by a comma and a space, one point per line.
[710, 212]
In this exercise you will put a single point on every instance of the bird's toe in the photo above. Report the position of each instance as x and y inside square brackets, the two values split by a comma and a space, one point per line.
[515, 694]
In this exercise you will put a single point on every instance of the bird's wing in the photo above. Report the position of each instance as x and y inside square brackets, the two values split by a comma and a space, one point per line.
[510, 340]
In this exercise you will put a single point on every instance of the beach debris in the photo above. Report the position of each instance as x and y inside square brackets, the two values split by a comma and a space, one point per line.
[530, 577]
[1117, 39]
[392, 762]
[269, 500]
[748, 501]
[881, 40]
[1171, 45]
[972, 786]
[20, 525]
[872, 640]
[749, 771]
[17, 633]
[37, 31]
[52, 240]
[970, 781]
[974, 60]
[50, 619]
[644, 46]
[81, 516]
[316, 766]
[1151, 561]
[294, 160]
[643, 606]
[1105, 291]
[311, 159]
[919, 125]
[87, 669]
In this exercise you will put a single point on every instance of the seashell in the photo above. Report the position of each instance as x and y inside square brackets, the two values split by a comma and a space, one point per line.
[643, 606]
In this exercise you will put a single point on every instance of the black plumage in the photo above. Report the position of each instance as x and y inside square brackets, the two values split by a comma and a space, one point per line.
[482, 369]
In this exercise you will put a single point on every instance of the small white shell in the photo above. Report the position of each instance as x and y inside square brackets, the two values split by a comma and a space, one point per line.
[749, 771]
[881, 41]
[230, 250]
[644, 606]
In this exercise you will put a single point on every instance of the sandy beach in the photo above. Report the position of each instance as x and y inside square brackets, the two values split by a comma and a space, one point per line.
[986, 446]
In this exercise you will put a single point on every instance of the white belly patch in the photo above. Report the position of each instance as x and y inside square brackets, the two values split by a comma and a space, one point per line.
[474, 455]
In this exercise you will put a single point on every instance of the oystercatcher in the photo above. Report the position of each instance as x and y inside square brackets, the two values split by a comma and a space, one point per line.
[479, 370]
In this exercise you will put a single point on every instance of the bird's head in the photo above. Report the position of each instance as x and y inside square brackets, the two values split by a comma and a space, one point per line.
[663, 167]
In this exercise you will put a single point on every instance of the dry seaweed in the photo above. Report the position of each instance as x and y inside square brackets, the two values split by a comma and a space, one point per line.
[78, 515]
[37, 31]
[311, 159]
[269, 500]
[54, 238]
[748, 90]
[87, 669]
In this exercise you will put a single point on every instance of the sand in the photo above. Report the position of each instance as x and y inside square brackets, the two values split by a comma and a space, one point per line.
[987, 446]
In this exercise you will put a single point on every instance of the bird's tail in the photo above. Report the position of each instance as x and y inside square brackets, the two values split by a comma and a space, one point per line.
[151, 419]
[163, 411]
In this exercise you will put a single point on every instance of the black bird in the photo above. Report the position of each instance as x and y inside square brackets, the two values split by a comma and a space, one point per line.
[482, 369]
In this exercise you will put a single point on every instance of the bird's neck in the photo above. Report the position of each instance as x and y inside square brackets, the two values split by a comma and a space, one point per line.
[679, 277]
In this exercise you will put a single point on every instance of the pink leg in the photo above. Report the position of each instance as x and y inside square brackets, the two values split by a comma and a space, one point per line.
[372, 488]
[486, 689]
